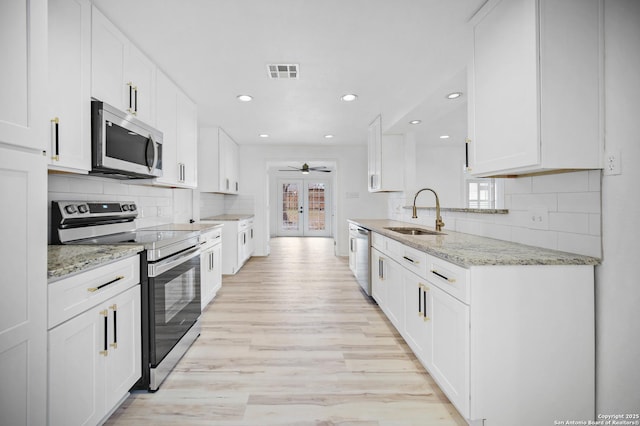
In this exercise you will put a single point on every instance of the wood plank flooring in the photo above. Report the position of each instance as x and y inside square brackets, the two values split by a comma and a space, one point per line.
[291, 340]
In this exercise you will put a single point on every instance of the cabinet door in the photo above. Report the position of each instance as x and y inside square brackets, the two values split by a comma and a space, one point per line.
[505, 69]
[395, 292]
[417, 320]
[76, 369]
[23, 79]
[217, 268]
[70, 84]
[167, 114]
[232, 166]
[450, 349]
[109, 50]
[23, 262]
[124, 365]
[207, 277]
[378, 283]
[374, 147]
[187, 130]
[140, 82]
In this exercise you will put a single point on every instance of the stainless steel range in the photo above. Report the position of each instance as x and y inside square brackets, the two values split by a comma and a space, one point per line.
[170, 276]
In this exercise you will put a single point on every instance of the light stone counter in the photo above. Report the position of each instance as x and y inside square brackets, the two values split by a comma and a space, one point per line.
[65, 260]
[468, 250]
[202, 227]
[228, 217]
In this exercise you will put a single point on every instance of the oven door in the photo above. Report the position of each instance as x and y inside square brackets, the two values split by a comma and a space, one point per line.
[174, 296]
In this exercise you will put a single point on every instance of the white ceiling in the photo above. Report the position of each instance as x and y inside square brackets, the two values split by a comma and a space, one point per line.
[396, 55]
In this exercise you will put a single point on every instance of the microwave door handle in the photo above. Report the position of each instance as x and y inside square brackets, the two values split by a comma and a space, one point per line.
[155, 153]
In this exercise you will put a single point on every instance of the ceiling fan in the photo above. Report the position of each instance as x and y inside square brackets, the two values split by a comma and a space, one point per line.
[305, 169]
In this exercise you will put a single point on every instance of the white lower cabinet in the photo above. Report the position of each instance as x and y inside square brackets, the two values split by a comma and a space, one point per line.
[507, 344]
[94, 356]
[210, 266]
[238, 245]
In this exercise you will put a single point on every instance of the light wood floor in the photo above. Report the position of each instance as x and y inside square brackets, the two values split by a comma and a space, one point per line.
[291, 340]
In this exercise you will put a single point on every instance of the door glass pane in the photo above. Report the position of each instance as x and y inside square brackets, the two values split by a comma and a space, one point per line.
[315, 206]
[290, 215]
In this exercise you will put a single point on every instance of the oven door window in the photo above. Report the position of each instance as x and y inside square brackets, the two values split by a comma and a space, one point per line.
[176, 306]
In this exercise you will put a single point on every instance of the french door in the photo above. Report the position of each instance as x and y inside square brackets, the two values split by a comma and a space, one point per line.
[304, 207]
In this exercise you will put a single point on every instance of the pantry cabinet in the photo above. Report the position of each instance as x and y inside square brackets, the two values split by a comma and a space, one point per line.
[94, 342]
[385, 159]
[178, 122]
[69, 86]
[535, 87]
[121, 75]
[23, 260]
[23, 74]
[218, 162]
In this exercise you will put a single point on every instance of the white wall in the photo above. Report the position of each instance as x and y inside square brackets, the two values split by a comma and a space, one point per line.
[617, 283]
[353, 199]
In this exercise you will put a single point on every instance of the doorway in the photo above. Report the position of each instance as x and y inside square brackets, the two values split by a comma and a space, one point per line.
[304, 207]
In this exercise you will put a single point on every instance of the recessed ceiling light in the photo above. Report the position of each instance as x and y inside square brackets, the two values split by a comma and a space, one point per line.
[244, 98]
[263, 135]
[415, 122]
[454, 95]
[349, 97]
[328, 136]
[444, 137]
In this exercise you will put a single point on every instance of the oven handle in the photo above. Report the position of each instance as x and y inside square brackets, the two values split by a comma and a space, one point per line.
[156, 269]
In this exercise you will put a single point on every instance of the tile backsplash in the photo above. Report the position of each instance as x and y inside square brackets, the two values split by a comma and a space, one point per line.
[156, 205]
[571, 201]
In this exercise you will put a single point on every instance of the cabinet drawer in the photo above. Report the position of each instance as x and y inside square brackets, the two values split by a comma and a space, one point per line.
[379, 241]
[412, 259]
[245, 224]
[450, 278]
[74, 295]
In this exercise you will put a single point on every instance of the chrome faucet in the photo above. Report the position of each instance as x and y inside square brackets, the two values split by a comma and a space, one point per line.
[439, 222]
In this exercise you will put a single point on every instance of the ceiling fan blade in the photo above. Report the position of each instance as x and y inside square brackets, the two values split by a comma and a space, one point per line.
[317, 167]
[289, 170]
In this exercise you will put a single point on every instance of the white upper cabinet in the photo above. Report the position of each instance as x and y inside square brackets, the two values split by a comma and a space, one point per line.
[178, 121]
[385, 159]
[70, 85]
[535, 84]
[23, 74]
[167, 114]
[187, 129]
[121, 74]
[218, 162]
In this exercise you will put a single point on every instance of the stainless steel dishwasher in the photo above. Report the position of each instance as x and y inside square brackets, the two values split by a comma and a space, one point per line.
[359, 255]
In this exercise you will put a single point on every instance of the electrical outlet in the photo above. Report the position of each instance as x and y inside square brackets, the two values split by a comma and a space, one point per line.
[612, 163]
[538, 218]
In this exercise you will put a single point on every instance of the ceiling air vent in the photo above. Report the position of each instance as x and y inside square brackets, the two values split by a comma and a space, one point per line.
[283, 71]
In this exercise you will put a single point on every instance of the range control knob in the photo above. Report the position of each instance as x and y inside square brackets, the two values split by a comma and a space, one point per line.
[83, 208]
[125, 207]
[70, 209]
[132, 207]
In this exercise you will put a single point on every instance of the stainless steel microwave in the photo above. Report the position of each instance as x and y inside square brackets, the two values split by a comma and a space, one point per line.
[122, 146]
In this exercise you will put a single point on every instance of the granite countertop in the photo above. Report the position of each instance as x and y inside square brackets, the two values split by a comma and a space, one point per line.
[228, 217]
[468, 250]
[201, 227]
[65, 260]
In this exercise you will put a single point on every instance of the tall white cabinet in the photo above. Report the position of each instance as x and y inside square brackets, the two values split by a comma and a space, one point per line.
[535, 83]
[23, 187]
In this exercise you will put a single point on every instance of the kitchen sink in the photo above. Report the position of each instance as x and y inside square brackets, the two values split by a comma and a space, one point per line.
[413, 231]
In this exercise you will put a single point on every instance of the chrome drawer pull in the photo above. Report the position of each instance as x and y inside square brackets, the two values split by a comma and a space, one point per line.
[451, 280]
